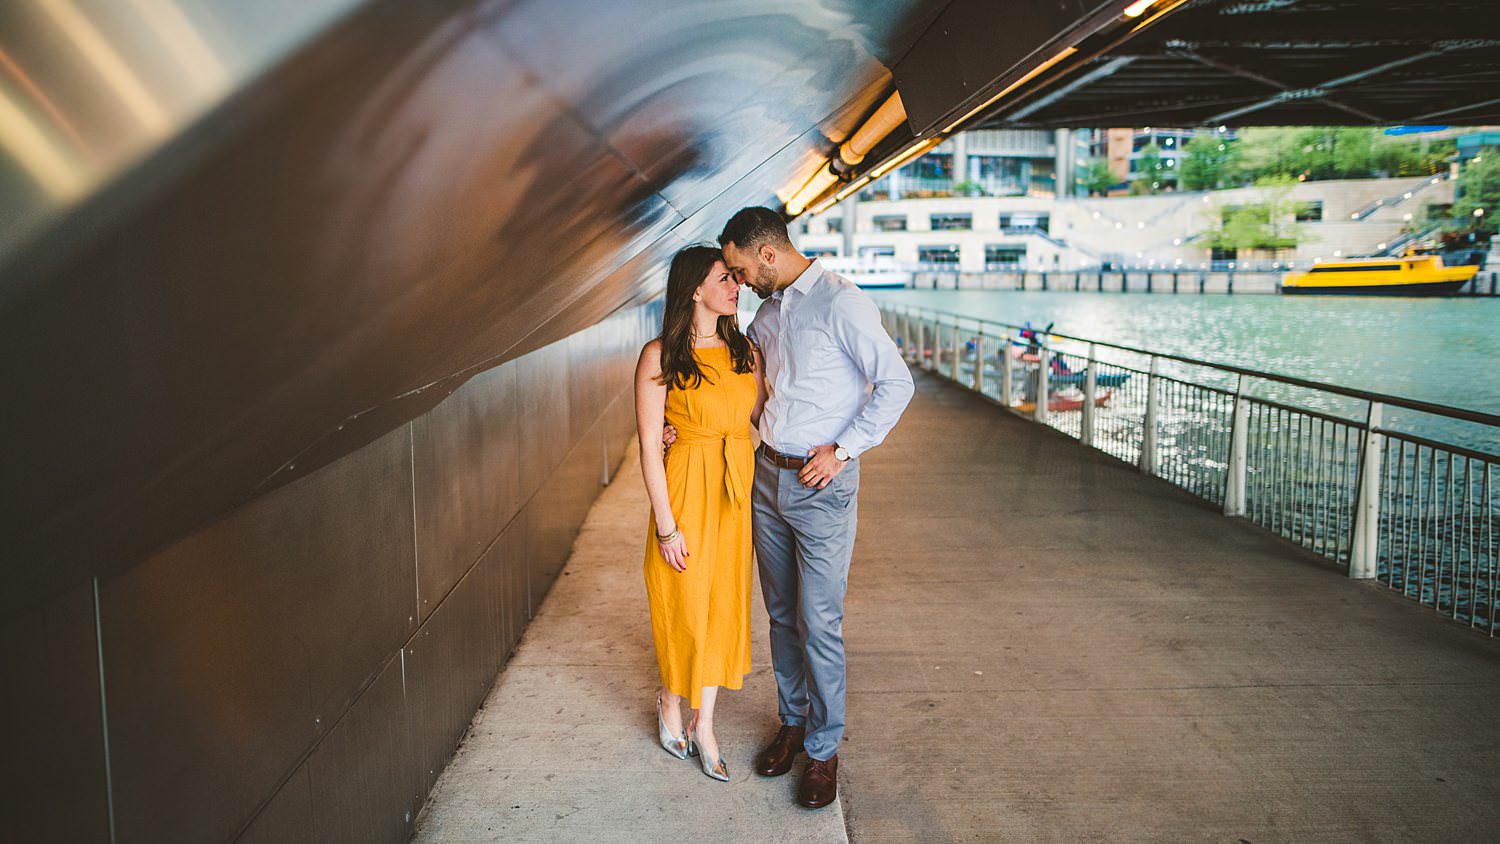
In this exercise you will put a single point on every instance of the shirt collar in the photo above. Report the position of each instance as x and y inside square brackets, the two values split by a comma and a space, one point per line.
[804, 283]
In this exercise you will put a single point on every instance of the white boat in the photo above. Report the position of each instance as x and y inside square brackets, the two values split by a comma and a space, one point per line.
[870, 273]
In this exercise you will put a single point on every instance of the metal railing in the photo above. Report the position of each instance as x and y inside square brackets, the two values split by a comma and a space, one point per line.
[1418, 515]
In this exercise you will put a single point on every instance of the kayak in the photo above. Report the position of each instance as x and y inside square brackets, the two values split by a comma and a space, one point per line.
[1062, 404]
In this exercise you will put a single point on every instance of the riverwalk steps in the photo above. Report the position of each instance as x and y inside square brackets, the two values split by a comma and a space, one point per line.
[1044, 646]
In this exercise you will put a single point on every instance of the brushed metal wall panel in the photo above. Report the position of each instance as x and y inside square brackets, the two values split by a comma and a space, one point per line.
[560, 509]
[586, 378]
[746, 78]
[362, 776]
[423, 191]
[288, 817]
[227, 654]
[541, 382]
[506, 570]
[53, 777]
[450, 663]
[466, 454]
[620, 432]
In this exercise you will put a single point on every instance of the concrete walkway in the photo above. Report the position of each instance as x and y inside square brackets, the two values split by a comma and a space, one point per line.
[1044, 646]
[564, 748]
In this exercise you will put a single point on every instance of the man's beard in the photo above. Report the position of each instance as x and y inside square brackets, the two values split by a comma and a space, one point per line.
[765, 281]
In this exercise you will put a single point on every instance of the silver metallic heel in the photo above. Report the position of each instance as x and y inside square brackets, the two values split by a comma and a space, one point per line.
[680, 747]
[716, 769]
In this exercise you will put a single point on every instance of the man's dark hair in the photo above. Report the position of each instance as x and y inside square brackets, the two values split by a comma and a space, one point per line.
[751, 227]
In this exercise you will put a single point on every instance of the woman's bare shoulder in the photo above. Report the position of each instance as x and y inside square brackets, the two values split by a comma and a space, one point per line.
[650, 360]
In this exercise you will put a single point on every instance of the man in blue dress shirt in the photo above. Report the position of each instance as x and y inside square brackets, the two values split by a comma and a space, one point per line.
[836, 386]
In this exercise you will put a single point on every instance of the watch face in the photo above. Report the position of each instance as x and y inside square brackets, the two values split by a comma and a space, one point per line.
[841, 453]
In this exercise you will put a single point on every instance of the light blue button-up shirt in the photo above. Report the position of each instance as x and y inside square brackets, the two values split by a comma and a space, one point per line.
[832, 373]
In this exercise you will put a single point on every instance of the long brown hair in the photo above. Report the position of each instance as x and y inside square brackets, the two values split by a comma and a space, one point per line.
[679, 367]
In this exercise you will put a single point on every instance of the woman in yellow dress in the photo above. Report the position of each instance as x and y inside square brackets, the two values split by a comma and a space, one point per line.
[704, 378]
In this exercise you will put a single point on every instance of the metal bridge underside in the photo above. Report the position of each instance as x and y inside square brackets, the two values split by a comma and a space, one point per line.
[1285, 62]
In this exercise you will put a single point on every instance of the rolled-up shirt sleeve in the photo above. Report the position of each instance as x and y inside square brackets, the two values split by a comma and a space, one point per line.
[856, 326]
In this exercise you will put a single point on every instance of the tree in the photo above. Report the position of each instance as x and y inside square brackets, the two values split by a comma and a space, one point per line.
[1478, 190]
[1148, 166]
[1206, 163]
[1096, 177]
[1331, 152]
[1269, 225]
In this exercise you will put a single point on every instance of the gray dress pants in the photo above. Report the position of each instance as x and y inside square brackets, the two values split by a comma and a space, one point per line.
[804, 539]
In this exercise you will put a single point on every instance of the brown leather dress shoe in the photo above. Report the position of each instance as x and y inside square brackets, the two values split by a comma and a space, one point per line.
[777, 758]
[820, 783]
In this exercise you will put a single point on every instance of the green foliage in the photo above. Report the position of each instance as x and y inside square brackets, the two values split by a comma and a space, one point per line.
[1148, 166]
[1270, 225]
[1096, 177]
[1331, 152]
[1207, 162]
[968, 189]
[1478, 188]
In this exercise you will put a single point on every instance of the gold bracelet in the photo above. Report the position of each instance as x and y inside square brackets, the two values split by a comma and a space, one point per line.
[668, 538]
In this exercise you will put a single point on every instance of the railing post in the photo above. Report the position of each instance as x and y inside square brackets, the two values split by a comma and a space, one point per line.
[1007, 372]
[1090, 388]
[979, 363]
[1043, 363]
[1148, 430]
[931, 347]
[1364, 550]
[903, 329]
[1239, 452]
[957, 346]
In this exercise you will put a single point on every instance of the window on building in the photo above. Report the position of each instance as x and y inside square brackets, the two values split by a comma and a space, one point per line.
[821, 252]
[1004, 257]
[873, 252]
[890, 222]
[943, 257]
[952, 222]
[1025, 222]
[999, 175]
[933, 166]
[835, 225]
[1223, 259]
[1310, 212]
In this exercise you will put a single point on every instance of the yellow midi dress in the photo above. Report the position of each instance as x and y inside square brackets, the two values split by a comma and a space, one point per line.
[700, 618]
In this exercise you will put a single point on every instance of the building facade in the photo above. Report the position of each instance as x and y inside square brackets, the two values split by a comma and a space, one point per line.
[996, 233]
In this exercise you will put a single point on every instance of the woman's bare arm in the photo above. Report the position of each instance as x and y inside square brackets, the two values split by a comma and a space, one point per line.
[760, 388]
[650, 417]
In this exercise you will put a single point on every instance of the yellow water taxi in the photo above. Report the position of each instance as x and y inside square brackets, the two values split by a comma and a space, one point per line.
[1412, 275]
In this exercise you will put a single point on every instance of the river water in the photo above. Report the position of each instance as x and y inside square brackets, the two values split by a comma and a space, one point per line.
[1441, 350]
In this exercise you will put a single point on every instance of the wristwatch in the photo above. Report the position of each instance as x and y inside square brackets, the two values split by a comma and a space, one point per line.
[841, 453]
